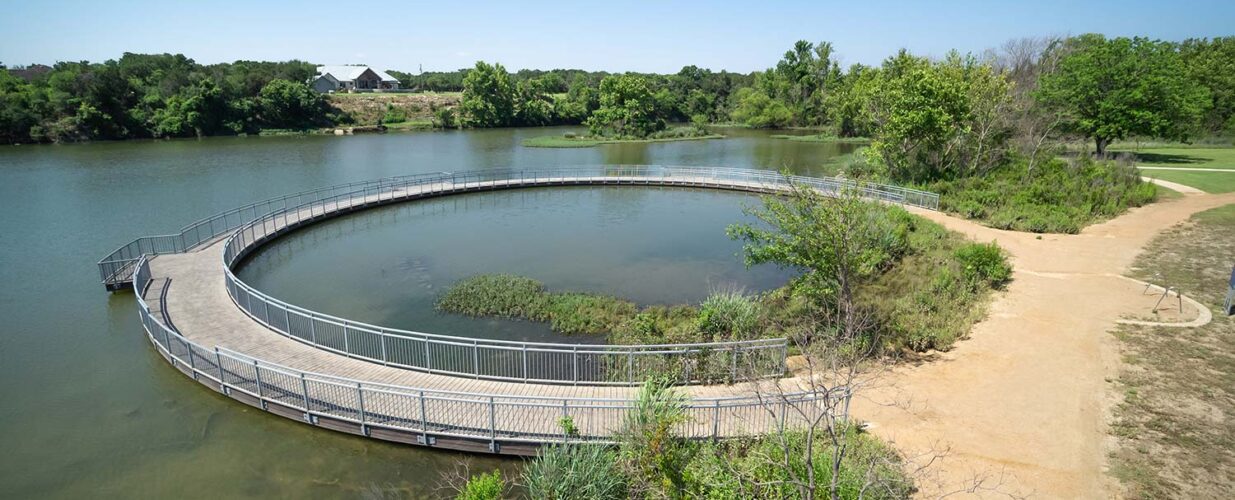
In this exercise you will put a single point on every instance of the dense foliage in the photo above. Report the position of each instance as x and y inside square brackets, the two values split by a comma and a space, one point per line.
[162, 95]
[1058, 196]
[651, 461]
[1110, 89]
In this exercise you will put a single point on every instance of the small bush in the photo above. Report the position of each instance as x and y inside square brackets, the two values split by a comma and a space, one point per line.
[574, 471]
[729, 316]
[984, 264]
[446, 118]
[487, 486]
[394, 115]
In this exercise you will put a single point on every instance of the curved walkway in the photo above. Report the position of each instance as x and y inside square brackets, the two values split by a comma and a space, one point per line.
[188, 311]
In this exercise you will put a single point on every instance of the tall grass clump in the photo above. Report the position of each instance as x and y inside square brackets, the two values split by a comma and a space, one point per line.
[569, 471]
[510, 296]
[729, 315]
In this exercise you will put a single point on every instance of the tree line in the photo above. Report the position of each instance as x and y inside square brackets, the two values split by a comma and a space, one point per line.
[157, 95]
[953, 114]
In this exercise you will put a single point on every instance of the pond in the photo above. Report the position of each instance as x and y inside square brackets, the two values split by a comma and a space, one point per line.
[90, 410]
[387, 266]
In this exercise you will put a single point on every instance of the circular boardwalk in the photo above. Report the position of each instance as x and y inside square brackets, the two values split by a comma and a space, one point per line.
[246, 345]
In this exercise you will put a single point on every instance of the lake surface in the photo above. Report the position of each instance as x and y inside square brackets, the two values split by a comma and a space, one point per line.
[89, 409]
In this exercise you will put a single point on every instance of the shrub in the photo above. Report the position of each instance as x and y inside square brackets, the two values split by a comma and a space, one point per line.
[652, 455]
[729, 316]
[574, 471]
[446, 118]
[984, 264]
[486, 486]
[394, 115]
[761, 468]
[1057, 196]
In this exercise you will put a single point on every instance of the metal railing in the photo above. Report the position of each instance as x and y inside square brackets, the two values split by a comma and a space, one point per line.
[509, 360]
[116, 269]
[495, 418]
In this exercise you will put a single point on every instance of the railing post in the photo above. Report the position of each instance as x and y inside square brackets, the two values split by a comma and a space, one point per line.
[716, 420]
[428, 358]
[346, 344]
[734, 369]
[492, 426]
[287, 318]
[257, 375]
[382, 335]
[630, 365]
[575, 356]
[476, 358]
[565, 415]
[304, 391]
[312, 329]
[192, 363]
[525, 377]
[218, 361]
[360, 400]
[424, 423]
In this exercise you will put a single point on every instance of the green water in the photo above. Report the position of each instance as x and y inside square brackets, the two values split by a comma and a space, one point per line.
[89, 410]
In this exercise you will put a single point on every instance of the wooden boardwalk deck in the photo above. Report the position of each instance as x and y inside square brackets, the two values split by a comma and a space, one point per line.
[188, 290]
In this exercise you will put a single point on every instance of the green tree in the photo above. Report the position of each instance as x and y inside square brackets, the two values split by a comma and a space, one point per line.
[533, 104]
[293, 105]
[835, 239]
[1113, 88]
[1211, 63]
[627, 108]
[488, 97]
[937, 120]
[756, 109]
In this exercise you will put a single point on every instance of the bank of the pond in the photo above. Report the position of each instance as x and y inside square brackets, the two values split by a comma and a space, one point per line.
[928, 298]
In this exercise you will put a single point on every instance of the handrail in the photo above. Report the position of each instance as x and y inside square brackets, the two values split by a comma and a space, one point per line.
[115, 270]
[496, 418]
[501, 359]
[513, 360]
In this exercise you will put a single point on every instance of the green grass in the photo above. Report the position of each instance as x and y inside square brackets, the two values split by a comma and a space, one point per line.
[1173, 428]
[1209, 182]
[822, 138]
[1186, 157]
[557, 141]
[410, 125]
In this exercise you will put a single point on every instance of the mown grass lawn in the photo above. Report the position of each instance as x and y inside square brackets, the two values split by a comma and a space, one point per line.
[1186, 157]
[1183, 156]
[1210, 182]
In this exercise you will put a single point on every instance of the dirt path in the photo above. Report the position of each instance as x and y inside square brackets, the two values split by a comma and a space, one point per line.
[1025, 400]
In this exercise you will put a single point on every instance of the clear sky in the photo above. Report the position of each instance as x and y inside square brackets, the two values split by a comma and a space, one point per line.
[614, 36]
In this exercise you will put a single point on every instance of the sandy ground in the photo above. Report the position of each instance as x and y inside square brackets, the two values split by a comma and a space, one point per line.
[1025, 401]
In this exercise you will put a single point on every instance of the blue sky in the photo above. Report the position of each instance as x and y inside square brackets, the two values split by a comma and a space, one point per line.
[614, 36]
